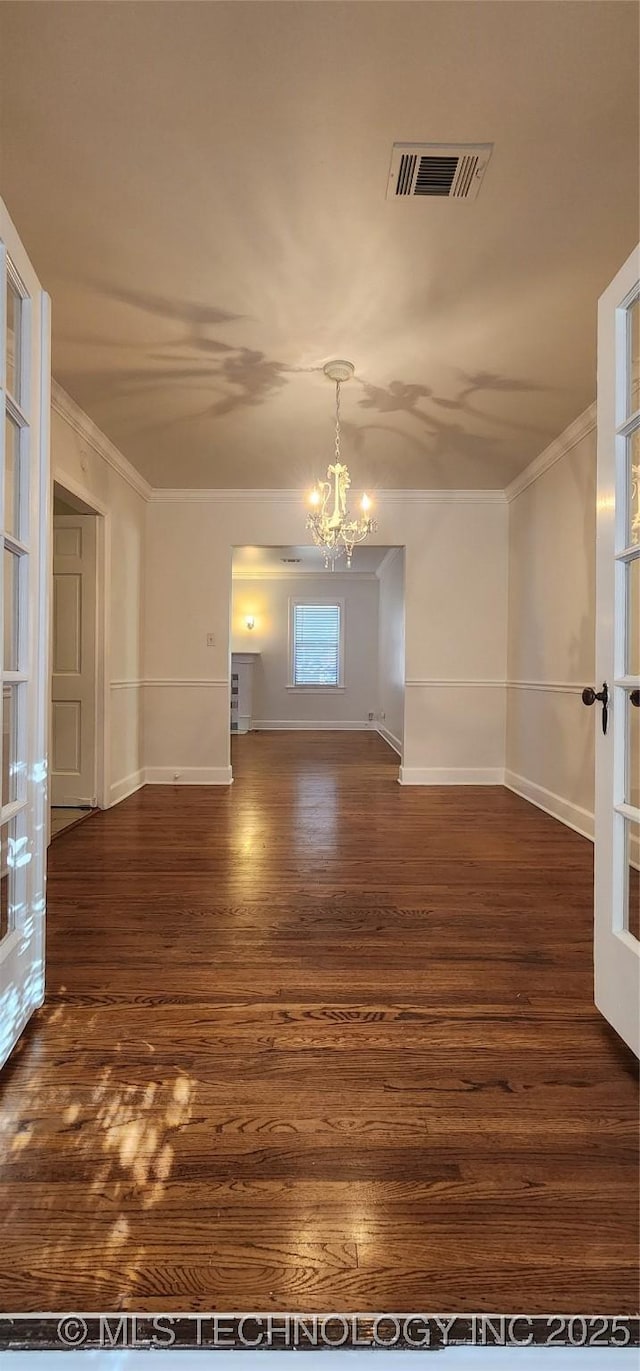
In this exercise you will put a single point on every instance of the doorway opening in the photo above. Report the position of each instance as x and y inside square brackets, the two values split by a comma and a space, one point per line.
[314, 649]
[77, 660]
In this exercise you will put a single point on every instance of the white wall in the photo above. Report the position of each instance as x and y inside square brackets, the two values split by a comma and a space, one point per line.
[455, 625]
[550, 734]
[84, 460]
[275, 704]
[391, 647]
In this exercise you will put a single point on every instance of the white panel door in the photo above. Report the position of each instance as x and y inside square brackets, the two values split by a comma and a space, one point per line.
[24, 526]
[73, 650]
[617, 851]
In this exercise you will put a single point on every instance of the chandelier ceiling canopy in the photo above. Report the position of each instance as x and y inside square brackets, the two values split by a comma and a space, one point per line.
[330, 523]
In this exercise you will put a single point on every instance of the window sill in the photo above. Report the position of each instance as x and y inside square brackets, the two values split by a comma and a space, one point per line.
[316, 690]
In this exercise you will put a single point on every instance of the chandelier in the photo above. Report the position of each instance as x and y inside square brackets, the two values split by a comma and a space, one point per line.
[329, 522]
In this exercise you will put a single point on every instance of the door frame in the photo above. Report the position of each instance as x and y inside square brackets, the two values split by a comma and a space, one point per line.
[102, 685]
[22, 952]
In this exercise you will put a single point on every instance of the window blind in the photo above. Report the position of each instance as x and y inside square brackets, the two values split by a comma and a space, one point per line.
[316, 645]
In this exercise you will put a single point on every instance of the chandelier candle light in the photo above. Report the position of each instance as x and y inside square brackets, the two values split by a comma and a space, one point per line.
[332, 529]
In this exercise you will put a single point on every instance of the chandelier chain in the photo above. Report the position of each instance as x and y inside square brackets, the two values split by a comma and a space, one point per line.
[337, 421]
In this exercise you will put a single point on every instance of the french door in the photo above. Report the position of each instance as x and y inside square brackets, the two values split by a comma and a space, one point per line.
[24, 524]
[617, 821]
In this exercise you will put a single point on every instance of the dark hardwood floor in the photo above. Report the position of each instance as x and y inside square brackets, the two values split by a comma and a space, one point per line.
[319, 1042]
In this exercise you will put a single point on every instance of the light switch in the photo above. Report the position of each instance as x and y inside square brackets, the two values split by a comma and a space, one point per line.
[211, 639]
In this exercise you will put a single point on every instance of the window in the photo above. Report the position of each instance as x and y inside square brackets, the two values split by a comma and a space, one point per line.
[316, 644]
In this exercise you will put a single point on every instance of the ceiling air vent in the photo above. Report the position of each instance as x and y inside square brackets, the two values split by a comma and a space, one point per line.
[291, 561]
[437, 169]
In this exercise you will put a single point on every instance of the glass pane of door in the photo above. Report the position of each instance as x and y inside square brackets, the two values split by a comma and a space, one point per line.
[13, 766]
[10, 874]
[4, 884]
[632, 878]
[633, 366]
[632, 787]
[633, 618]
[13, 356]
[633, 487]
[12, 505]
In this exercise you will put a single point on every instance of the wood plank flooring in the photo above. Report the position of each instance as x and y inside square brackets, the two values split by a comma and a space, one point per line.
[319, 1042]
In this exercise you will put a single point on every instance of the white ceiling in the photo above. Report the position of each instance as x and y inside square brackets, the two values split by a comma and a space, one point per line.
[201, 187]
[253, 563]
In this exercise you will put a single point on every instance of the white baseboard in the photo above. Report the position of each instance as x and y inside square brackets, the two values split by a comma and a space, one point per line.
[572, 815]
[188, 775]
[390, 738]
[121, 789]
[314, 725]
[441, 775]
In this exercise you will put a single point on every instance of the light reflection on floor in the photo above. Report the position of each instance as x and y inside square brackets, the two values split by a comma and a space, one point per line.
[129, 1125]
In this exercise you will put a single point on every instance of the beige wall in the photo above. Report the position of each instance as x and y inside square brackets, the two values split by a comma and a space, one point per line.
[77, 459]
[550, 734]
[466, 555]
[269, 599]
[391, 654]
[455, 626]
[455, 644]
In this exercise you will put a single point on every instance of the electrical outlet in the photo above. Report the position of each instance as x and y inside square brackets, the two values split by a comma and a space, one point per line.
[371, 716]
[211, 639]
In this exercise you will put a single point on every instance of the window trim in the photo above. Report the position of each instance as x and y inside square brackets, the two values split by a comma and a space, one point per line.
[317, 600]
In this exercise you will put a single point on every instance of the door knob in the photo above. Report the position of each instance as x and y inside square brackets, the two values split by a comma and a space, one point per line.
[589, 697]
[635, 698]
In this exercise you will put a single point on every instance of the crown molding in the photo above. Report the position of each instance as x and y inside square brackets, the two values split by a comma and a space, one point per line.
[88, 431]
[67, 408]
[568, 439]
[440, 497]
[63, 405]
[192, 495]
[203, 496]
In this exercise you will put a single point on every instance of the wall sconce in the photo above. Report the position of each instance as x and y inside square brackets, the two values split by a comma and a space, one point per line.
[250, 621]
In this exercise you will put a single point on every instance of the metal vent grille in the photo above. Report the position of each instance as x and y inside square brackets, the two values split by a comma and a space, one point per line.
[454, 173]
